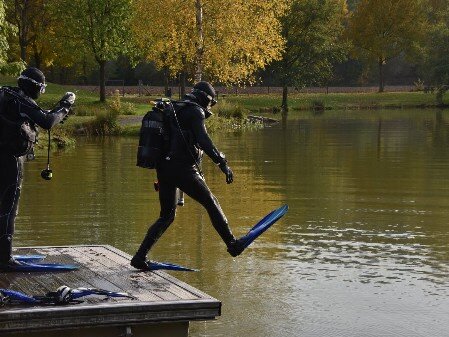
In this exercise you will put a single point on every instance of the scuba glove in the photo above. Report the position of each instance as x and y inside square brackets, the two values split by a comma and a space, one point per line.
[227, 170]
[67, 100]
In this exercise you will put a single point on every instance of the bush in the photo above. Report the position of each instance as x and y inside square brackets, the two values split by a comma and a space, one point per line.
[105, 123]
[226, 110]
[60, 139]
[120, 108]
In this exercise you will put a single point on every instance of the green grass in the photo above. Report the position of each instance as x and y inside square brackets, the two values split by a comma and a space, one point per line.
[340, 101]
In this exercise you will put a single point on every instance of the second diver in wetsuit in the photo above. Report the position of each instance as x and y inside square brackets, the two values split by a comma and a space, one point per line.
[19, 118]
[180, 169]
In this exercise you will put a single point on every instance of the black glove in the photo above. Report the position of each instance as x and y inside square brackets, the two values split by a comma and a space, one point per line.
[227, 170]
[67, 100]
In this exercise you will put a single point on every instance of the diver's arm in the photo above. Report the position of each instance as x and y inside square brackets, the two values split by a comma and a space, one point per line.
[46, 119]
[204, 141]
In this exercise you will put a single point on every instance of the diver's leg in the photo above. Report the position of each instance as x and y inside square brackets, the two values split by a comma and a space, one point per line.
[167, 199]
[11, 169]
[195, 187]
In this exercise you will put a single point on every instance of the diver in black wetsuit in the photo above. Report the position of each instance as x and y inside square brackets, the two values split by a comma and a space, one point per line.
[19, 118]
[180, 169]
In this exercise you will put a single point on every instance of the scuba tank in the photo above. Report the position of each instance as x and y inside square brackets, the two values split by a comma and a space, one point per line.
[154, 135]
[18, 135]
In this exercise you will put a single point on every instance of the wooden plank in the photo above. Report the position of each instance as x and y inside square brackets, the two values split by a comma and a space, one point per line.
[119, 314]
[161, 297]
[166, 276]
[96, 273]
[123, 276]
[154, 280]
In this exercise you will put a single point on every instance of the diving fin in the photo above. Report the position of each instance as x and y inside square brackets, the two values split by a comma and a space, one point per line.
[39, 267]
[8, 296]
[154, 265]
[29, 258]
[267, 221]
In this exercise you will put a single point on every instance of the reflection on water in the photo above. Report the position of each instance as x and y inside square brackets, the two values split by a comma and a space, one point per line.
[363, 250]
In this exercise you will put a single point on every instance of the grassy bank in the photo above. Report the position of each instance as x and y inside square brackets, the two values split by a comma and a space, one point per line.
[334, 101]
[122, 115]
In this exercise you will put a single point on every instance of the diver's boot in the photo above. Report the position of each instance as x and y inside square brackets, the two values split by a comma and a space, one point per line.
[236, 247]
[139, 263]
[139, 260]
[10, 265]
[5, 251]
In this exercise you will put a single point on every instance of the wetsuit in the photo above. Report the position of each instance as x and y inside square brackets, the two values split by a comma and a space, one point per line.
[180, 169]
[15, 108]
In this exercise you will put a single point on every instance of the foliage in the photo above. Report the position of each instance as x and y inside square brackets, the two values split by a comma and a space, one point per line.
[100, 28]
[5, 29]
[121, 108]
[46, 45]
[313, 32]
[104, 123]
[239, 36]
[383, 29]
[227, 110]
[435, 62]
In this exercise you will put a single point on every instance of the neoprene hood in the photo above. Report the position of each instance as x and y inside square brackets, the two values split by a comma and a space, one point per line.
[32, 82]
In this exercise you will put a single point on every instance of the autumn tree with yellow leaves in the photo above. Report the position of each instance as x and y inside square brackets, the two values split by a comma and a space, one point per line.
[226, 41]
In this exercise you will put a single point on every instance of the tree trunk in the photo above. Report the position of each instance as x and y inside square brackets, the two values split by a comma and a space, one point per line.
[284, 105]
[166, 80]
[23, 51]
[381, 76]
[102, 65]
[37, 57]
[182, 84]
[199, 41]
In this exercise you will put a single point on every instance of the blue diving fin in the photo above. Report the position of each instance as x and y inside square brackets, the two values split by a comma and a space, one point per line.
[263, 225]
[40, 267]
[12, 296]
[153, 265]
[29, 258]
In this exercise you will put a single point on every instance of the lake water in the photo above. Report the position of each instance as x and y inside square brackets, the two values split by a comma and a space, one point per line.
[363, 250]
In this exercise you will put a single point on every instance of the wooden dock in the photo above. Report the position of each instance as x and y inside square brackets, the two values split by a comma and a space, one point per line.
[164, 306]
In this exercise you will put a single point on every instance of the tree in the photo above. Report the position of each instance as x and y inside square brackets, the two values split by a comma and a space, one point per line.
[36, 27]
[384, 29]
[313, 32]
[6, 28]
[225, 41]
[43, 45]
[20, 13]
[166, 39]
[100, 28]
[434, 63]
